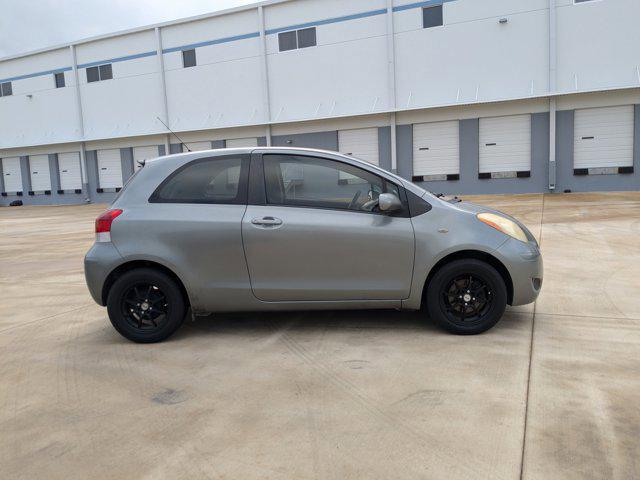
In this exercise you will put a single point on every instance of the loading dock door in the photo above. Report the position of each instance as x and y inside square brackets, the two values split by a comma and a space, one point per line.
[241, 142]
[436, 148]
[603, 137]
[143, 153]
[109, 168]
[361, 143]
[197, 146]
[505, 144]
[40, 173]
[70, 173]
[11, 174]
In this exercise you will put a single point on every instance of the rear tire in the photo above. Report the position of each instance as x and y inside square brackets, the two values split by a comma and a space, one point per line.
[466, 297]
[146, 305]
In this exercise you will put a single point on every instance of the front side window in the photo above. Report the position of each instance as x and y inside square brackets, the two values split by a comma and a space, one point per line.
[320, 183]
[209, 180]
[432, 16]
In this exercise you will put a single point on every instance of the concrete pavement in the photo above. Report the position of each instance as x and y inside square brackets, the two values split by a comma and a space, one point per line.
[551, 392]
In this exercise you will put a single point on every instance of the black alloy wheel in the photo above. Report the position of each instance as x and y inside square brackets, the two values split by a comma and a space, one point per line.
[466, 296]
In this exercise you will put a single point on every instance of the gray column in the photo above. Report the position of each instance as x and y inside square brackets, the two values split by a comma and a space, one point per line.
[1, 178]
[26, 174]
[564, 149]
[55, 174]
[384, 147]
[92, 174]
[404, 149]
[126, 158]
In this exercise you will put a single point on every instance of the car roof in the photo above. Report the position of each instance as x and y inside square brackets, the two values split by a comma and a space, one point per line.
[185, 157]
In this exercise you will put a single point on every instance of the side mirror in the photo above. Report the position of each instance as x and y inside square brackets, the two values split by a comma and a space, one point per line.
[388, 202]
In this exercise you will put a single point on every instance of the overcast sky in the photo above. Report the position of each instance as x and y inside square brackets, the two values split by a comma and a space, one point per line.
[27, 25]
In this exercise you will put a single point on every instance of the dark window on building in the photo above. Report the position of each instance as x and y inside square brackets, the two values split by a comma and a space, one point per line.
[103, 72]
[303, 38]
[93, 75]
[581, 1]
[189, 58]
[307, 37]
[432, 16]
[217, 180]
[59, 78]
[5, 89]
[287, 41]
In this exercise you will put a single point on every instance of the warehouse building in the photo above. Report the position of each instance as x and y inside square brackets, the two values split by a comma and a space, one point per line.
[461, 96]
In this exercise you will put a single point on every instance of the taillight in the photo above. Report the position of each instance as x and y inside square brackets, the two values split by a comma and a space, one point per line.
[103, 225]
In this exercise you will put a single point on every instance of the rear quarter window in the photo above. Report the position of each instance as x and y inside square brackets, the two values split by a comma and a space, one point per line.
[218, 180]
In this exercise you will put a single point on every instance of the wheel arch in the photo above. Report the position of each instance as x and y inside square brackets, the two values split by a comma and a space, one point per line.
[134, 264]
[476, 255]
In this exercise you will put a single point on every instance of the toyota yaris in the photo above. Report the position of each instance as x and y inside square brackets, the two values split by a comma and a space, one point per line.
[264, 229]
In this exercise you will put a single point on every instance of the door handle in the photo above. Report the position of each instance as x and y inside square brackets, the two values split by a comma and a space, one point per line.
[267, 221]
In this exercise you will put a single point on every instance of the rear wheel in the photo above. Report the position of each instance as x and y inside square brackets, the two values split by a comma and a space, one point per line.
[466, 297]
[146, 305]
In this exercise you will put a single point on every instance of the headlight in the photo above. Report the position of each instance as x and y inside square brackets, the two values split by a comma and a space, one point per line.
[506, 226]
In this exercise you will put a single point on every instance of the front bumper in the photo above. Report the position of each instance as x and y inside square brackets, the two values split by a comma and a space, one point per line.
[99, 262]
[524, 263]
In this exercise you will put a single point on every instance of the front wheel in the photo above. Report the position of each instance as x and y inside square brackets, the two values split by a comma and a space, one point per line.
[145, 305]
[466, 297]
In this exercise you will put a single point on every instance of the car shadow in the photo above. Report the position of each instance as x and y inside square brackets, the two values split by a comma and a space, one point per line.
[232, 323]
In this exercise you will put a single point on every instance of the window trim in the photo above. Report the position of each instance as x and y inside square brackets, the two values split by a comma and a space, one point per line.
[243, 186]
[258, 187]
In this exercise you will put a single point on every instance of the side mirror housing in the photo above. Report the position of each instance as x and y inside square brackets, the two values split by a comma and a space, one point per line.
[388, 202]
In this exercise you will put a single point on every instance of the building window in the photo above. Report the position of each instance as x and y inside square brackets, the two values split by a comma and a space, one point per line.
[295, 39]
[5, 89]
[432, 16]
[59, 79]
[582, 1]
[189, 58]
[96, 74]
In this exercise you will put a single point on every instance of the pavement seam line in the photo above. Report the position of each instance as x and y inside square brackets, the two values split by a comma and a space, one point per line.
[528, 391]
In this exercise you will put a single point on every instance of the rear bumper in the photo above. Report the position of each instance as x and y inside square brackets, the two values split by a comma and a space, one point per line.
[99, 262]
[524, 262]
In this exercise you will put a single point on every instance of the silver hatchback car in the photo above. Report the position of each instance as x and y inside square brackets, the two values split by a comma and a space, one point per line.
[264, 229]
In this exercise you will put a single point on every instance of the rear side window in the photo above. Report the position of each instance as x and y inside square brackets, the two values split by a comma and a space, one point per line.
[220, 180]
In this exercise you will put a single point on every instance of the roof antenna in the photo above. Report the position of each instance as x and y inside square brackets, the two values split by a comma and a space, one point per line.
[174, 134]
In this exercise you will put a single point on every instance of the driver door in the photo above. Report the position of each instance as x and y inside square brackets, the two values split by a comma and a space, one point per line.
[317, 236]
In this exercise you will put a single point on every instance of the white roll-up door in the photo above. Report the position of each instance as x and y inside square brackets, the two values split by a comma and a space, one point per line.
[197, 146]
[436, 148]
[241, 142]
[40, 173]
[143, 153]
[11, 174]
[505, 144]
[109, 168]
[361, 143]
[603, 137]
[69, 171]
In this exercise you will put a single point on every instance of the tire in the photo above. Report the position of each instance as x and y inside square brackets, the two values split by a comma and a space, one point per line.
[466, 297]
[146, 305]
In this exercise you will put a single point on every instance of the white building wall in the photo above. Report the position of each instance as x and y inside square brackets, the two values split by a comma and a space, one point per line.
[471, 60]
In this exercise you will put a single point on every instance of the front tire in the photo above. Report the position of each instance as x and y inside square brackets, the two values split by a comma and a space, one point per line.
[146, 305]
[466, 297]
